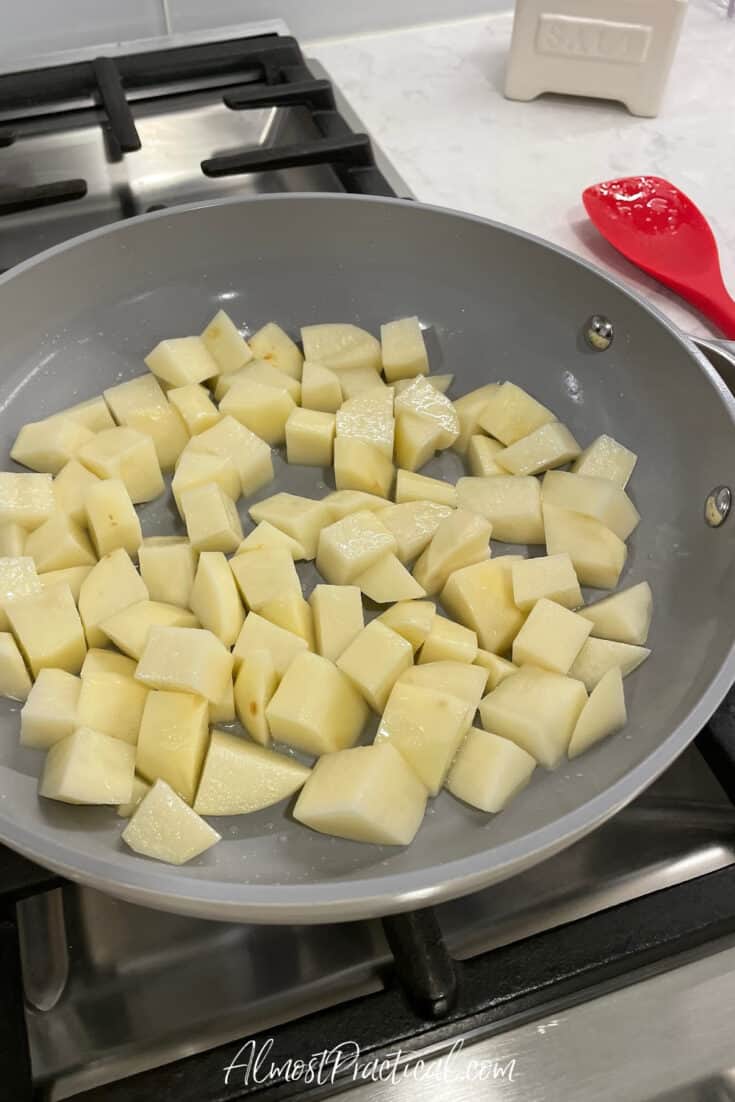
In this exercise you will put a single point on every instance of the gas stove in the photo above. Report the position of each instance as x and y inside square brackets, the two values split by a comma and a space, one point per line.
[100, 999]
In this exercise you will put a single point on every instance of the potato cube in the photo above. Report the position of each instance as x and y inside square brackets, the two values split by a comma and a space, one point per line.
[12, 540]
[88, 767]
[349, 546]
[510, 414]
[211, 518]
[340, 503]
[624, 617]
[603, 714]
[164, 827]
[255, 684]
[167, 566]
[536, 709]
[448, 642]
[223, 710]
[112, 703]
[489, 771]
[511, 503]
[250, 455]
[182, 360]
[265, 535]
[48, 630]
[369, 417]
[362, 467]
[338, 618]
[441, 383]
[187, 660]
[59, 543]
[468, 409]
[419, 487]
[259, 634]
[481, 456]
[413, 524]
[357, 380]
[320, 388]
[140, 788]
[107, 661]
[374, 661]
[292, 612]
[552, 445]
[594, 497]
[197, 469]
[73, 576]
[551, 637]
[549, 576]
[238, 777]
[410, 619]
[214, 598]
[111, 586]
[367, 794]
[14, 680]
[195, 408]
[341, 346]
[598, 656]
[416, 439]
[403, 349]
[225, 344]
[112, 519]
[460, 539]
[174, 732]
[264, 373]
[310, 437]
[276, 347]
[423, 399]
[125, 454]
[466, 682]
[93, 413]
[480, 596]
[129, 628]
[18, 578]
[70, 488]
[496, 668]
[141, 404]
[387, 580]
[261, 408]
[316, 708]
[26, 499]
[265, 574]
[597, 554]
[426, 727]
[301, 518]
[606, 458]
[46, 446]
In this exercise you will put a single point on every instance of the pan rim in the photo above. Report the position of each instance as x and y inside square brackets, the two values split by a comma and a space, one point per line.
[155, 885]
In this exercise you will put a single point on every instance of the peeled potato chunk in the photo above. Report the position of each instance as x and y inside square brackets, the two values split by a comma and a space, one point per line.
[469, 409]
[369, 417]
[367, 794]
[361, 466]
[214, 598]
[112, 585]
[496, 668]
[603, 714]
[510, 413]
[182, 360]
[387, 580]
[48, 630]
[70, 488]
[59, 543]
[46, 446]
[26, 499]
[316, 708]
[106, 661]
[276, 347]
[460, 539]
[448, 642]
[223, 710]
[264, 575]
[301, 518]
[185, 660]
[163, 826]
[320, 388]
[126, 454]
[310, 437]
[480, 596]
[594, 497]
[416, 439]
[625, 617]
[606, 458]
[467, 682]
[18, 578]
[598, 656]
[87, 767]
[551, 637]
[197, 469]
[292, 612]
[374, 661]
[238, 777]
[549, 446]
[413, 524]
[419, 487]
[140, 787]
[597, 554]
[225, 344]
[113, 704]
[260, 634]
[511, 503]
[425, 400]
[266, 535]
[426, 727]
[349, 546]
[264, 373]
[536, 709]
[340, 503]
[410, 619]
[195, 408]
[403, 349]
[93, 413]
[73, 576]
[112, 520]
[141, 404]
[356, 380]
[129, 628]
[441, 383]
[250, 455]
[211, 518]
[167, 566]
[489, 771]
[12, 540]
[14, 680]
[263, 409]
[254, 686]
[549, 576]
[174, 733]
[481, 456]
[338, 618]
[341, 346]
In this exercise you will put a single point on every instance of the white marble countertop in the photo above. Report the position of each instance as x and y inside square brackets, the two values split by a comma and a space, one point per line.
[432, 97]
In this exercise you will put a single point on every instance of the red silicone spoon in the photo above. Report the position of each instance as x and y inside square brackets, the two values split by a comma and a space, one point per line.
[660, 230]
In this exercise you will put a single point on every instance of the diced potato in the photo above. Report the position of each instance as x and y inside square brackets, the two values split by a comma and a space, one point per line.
[223, 710]
[174, 732]
[598, 656]
[214, 598]
[426, 727]
[606, 458]
[250, 455]
[367, 794]
[603, 714]
[129, 628]
[361, 466]
[18, 578]
[87, 767]
[416, 439]
[467, 682]
[187, 660]
[511, 503]
[419, 487]
[167, 566]
[320, 388]
[624, 617]
[12, 540]
[536, 709]
[510, 414]
[195, 408]
[468, 409]
[225, 344]
[301, 518]
[107, 661]
[73, 576]
[93, 413]
[26, 499]
[441, 383]
[141, 404]
[238, 777]
[496, 668]
[182, 360]
[260, 371]
[374, 661]
[276, 347]
[349, 546]
[552, 445]
[110, 587]
[140, 788]
[265, 574]
[70, 488]
[369, 417]
[341, 346]
[292, 612]
[449, 642]
[597, 554]
[410, 619]
[460, 539]
[254, 686]
[403, 349]
[164, 827]
[356, 380]
[197, 469]
[211, 518]
[261, 408]
[481, 456]
[112, 519]
[414, 524]
[551, 637]
[112, 703]
[126, 454]
[387, 580]
[310, 437]
[316, 708]
[549, 576]
[338, 618]
[14, 680]
[264, 535]
[594, 497]
[489, 771]
[422, 398]
[259, 634]
[48, 630]
[46, 446]
[58, 543]
[340, 503]
[480, 596]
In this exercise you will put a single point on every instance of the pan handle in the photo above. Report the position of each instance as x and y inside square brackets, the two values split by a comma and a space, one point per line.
[721, 354]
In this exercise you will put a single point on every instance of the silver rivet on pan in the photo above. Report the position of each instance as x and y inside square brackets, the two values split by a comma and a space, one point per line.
[599, 332]
[717, 506]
